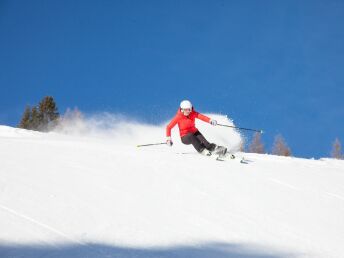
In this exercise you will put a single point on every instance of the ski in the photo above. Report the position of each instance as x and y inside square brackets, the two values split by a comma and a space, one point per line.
[227, 156]
[230, 156]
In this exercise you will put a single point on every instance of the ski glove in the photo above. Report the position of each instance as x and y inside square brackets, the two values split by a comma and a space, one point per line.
[169, 141]
[213, 122]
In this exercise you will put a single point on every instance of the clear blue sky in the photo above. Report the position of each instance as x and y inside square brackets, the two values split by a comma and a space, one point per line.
[275, 65]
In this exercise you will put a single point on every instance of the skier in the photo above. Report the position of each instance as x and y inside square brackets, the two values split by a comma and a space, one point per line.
[185, 118]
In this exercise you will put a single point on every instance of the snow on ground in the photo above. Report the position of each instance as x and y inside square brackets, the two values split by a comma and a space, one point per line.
[92, 193]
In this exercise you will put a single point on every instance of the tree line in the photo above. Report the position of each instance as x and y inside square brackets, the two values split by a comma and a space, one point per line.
[45, 117]
[42, 117]
[281, 148]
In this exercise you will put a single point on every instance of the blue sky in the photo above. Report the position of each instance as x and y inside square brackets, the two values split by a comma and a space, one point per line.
[275, 65]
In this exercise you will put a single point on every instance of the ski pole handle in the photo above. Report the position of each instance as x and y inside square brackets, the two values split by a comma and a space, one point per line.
[150, 144]
[241, 128]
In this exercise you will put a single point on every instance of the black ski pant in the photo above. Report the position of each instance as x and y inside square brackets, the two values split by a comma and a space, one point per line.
[198, 141]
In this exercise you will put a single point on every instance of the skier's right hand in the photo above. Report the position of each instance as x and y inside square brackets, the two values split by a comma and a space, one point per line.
[213, 122]
[169, 141]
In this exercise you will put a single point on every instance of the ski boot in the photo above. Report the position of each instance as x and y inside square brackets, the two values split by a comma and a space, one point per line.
[206, 152]
[219, 151]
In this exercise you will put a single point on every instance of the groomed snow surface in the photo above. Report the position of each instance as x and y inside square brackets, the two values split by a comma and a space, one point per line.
[88, 191]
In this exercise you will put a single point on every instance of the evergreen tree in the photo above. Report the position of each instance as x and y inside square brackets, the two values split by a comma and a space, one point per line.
[48, 113]
[43, 117]
[337, 150]
[257, 145]
[35, 121]
[242, 145]
[26, 118]
[280, 147]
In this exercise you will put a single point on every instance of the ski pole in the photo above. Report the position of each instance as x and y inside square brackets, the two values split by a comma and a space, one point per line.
[241, 128]
[150, 144]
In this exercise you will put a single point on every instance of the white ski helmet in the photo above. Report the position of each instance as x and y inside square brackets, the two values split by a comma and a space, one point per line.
[185, 104]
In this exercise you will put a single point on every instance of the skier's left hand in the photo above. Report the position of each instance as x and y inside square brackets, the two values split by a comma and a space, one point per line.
[213, 122]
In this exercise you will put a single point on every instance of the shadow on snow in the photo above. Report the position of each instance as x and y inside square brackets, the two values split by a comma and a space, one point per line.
[208, 250]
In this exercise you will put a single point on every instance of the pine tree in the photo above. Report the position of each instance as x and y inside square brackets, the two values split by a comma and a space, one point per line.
[26, 118]
[257, 145]
[242, 145]
[337, 150]
[48, 114]
[280, 147]
[35, 121]
[43, 117]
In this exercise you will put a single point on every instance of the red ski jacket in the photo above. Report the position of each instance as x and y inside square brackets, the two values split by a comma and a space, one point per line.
[186, 124]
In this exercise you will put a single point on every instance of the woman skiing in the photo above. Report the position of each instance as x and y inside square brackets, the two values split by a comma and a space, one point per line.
[185, 118]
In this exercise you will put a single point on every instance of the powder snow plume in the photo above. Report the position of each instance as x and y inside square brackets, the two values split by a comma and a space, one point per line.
[126, 131]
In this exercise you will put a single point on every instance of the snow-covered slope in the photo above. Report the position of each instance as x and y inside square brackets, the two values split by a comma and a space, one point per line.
[98, 195]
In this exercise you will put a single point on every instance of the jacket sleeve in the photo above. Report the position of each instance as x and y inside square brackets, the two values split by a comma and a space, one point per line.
[172, 124]
[202, 117]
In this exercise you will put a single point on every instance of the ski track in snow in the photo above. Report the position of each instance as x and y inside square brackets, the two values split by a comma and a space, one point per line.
[283, 183]
[335, 196]
[40, 224]
[292, 187]
[55, 231]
